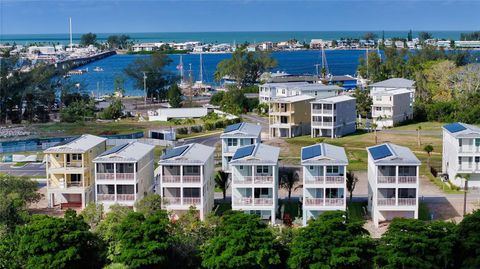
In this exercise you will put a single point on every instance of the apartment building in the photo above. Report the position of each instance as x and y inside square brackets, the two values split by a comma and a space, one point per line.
[393, 182]
[290, 116]
[235, 136]
[70, 173]
[186, 179]
[255, 180]
[271, 91]
[461, 153]
[324, 179]
[124, 174]
[392, 101]
[334, 116]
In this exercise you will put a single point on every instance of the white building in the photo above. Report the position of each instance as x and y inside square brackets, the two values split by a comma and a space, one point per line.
[324, 179]
[392, 101]
[393, 182]
[255, 180]
[270, 91]
[185, 176]
[165, 114]
[236, 136]
[461, 153]
[334, 116]
[124, 174]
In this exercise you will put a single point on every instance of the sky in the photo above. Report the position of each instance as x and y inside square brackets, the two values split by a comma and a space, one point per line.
[126, 16]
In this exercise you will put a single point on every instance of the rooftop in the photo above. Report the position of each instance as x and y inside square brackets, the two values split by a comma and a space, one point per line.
[335, 99]
[394, 83]
[293, 99]
[243, 129]
[303, 86]
[391, 154]
[190, 153]
[256, 153]
[392, 92]
[129, 152]
[323, 153]
[79, 144]
[458, 129]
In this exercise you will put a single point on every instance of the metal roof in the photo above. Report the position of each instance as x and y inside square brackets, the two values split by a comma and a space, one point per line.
[77, 145]
[260, 154]
[293, 99]
[392, 154]
[302, 86]
[129, 152]
[187, 154]
[323, 153]
[391, 92]
[335, 99]
[458, 129]
[394, 83]
[243, 129]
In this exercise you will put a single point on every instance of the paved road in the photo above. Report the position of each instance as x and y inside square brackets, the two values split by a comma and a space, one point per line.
[31, 169]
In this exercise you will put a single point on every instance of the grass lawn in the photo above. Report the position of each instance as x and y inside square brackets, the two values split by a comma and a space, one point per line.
[19, 164]
[356, 210]
[204, 133]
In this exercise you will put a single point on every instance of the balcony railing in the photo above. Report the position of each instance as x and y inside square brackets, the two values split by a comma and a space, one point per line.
[243, 201]
[244, 180]
[106, 197]
[74, 164]
[125, 176]
[172, 200]
[170, 179]
[74, 184]
[407, 201]
[385, 201]
[191, 200]
[407, 179]
[105, 176]
[263, 179]
[334, 201]
[125, 197]
[313, 201]
[314, 179]
[191, 179]
[324, 201]
[322, 123]
[387, 179]
[263, 201]
[334, 179]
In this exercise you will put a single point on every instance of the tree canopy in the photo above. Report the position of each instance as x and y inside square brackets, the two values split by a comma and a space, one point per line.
[88, 39]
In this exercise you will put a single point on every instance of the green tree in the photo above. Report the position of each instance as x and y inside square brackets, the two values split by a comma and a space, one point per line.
[369, 36]
[371, 69]
[466, 177]
[143, 242]
[428, 149]
[423, 36]
[78, 111]
[468, 234]
[410, 35]
[364, 102]
[331, 241]
[352, 180]
[174, 96]
[88, 39]
[411, 243]
[245, 67]
[288, 179]
[119, 84]
[108, 228]
[118, 41]
[241, 241]
[114, 110]
[149, 205]
[92, 214]
[221, 181]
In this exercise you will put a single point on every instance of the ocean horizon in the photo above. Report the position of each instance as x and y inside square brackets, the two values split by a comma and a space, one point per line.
[220, 37]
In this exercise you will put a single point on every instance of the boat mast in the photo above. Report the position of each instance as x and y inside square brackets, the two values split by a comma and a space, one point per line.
[325, 70]
[181, 68]
[71, 42]
[201, 68]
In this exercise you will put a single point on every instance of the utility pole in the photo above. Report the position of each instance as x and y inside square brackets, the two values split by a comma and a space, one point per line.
[145, 89]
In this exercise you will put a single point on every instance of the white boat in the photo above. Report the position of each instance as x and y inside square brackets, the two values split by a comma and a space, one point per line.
[98, 69]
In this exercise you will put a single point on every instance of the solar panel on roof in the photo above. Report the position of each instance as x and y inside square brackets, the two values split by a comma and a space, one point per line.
[66, 141]
[454, 127]
[233, 127]
[243, 152]
[380, 152]
[310, 152]
[174, 152]
[113, 150]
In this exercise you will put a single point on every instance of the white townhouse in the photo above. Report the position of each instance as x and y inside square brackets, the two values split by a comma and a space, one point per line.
[186, 179]
[334, 116]
[235, 136]
[393, 182]
[324, 179]
[392, 101]
[461, 153]
[124, 174]
[270, 91]
[255, 180]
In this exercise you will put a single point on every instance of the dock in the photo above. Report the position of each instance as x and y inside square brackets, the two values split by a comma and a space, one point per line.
[66, 65]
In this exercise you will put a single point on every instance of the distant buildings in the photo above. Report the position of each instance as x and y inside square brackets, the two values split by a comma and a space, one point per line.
[70, 171]
[393, 182]
[324, 179]
[333, 116]
[255, 180]
[271, 91]
[236, 136]
[124, 174]
[392, 101]
[186, 179]
[461, 153]
[290, 116]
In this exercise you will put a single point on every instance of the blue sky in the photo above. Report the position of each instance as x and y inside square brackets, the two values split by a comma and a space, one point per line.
[101, 16]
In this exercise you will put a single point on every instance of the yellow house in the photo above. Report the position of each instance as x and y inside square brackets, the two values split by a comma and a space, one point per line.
[290, 116]
[70, 171]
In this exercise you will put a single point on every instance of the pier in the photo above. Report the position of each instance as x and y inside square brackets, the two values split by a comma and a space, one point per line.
[69, 64]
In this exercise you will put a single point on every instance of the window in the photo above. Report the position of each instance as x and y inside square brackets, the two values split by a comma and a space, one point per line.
[75, 177]
[262, 169]
[105, 189]
[378, 98]
[459, 160]
[377, 108]
[76, 157]
[311, 167]
[460, 142]
[477, 159]
[125, 189]
[232, 142]
[332, 169]
[477, 142]
[240, 167]
[125, 168]
[191, 170]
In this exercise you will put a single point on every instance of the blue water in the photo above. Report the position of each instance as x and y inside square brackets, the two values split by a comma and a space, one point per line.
[340, 62]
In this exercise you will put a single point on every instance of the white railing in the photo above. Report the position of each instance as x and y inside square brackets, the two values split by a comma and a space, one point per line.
[170, 179]
[407, 201]
[243, 201]
[407, 179]
[317, 111]
[172, 200]
[106, 197]
[244, 180]
[125, 176]
[387, 179]
[191, 179]
[74, 164]
[386, 201]
[264, 179]
[314, 179]
[334, 179]
[313, 201]
[334, 201]
[74, 184]
[191, 200]
[105, 176]
[125, 197]
[263, 201]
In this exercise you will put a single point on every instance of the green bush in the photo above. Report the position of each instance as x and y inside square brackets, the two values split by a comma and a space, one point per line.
[182, 130]
[209, 126]
[196, 129]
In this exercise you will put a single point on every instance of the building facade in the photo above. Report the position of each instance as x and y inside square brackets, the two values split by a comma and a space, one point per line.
[235, 136]
[333, 116]
[124, 174]
[461, 153]
[289, 116]
[272, 91]
[255, 180]
[324, 179]
[70, 172]
[185, 176]
[393, 182]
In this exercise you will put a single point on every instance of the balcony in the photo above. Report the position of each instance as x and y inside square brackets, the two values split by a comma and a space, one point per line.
[334, 201]
[322, 123]
[263, 179]
[191, 200]
[407, 179]
[334, 180]
[324, 201]
[386, 179]
[126, 197]
[243, 201]
[314, 179]
[106, 197]
[172, 200]
[249, 201]
[171, 179]
[126, 176]
[313, 201]
[407, 201]
[386, 201]
[243, 180]
[325, 180]
[191, 179]
[263, 201]
[105, 176]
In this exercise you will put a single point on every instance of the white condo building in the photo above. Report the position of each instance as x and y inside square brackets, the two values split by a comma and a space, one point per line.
[393, 182]
[324, 179]
[236, 136]
[124, 174]
[270, 91]
[392, 101]
[255, 180]
[461, 153]
[185, 176]
[334, 116]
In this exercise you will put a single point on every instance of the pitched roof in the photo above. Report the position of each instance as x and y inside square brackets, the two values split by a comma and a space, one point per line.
[323, 153]
[129, 152]
[458, 129]
[394, 83]
[190, 154]
[335, 99]
[243, 129]
[391, 154]
[293, 99]
[256, 153]
[79, 144]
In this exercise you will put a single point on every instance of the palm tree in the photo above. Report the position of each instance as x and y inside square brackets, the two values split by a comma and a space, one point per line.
[288, 180]
[466, 178]
[428, 149]
[374, 126]
[221, 180]
[352, 180]
[419, 142]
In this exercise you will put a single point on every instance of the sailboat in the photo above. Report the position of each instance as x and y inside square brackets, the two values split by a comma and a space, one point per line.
[199, 87]
[183, 84]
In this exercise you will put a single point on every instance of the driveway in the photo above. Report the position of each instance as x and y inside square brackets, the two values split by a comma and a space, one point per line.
[29, 170]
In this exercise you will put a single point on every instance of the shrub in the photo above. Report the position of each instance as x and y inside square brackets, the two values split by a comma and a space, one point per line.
[196, 129]
[182, 130]
[209, 126]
